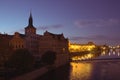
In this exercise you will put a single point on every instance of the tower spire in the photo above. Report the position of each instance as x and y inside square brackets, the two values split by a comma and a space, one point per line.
[30, 29]
[30, 20]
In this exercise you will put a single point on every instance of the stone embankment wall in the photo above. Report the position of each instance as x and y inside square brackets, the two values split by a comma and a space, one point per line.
[61, 60]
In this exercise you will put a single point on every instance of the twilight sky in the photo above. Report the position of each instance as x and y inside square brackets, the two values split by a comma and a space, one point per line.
[79, 20]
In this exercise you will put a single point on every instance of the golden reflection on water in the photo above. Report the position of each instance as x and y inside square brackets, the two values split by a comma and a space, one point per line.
[84, 57]
[80, 71]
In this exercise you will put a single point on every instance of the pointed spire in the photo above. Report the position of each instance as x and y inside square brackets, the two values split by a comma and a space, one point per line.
[30, 20]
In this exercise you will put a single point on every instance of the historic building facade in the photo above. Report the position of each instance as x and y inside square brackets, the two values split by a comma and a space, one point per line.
[37, 44]
[73, 47]
[54, 42]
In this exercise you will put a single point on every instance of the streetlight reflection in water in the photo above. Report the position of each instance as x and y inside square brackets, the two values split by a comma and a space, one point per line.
[80, 71]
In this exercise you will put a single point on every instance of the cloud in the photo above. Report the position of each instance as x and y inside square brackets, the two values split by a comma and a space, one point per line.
[97, 23]
[93, 37]
[50, 27]
[99, 39]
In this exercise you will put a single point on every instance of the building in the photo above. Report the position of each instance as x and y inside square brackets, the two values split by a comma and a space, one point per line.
[73, 47]
[37, 44]
[54, 42]
[5, 49]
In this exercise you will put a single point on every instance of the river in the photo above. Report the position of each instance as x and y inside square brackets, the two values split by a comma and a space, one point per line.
[86, 70]
[103, 69]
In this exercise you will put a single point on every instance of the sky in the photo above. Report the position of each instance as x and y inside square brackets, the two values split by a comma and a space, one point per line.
[80, 21]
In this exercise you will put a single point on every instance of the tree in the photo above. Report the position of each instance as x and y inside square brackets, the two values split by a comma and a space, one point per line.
[21, 60]
[49, 57]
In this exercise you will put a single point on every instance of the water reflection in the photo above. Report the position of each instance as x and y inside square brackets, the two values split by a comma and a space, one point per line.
[86, 70]
[106, 70]
[83, 57]
[80, 71]
[95, 70]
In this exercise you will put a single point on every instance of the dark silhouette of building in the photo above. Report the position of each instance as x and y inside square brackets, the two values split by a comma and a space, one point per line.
[37, 44]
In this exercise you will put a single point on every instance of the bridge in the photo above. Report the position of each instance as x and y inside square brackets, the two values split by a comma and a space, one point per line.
[88, 56]
[114, 48]
[89, 51]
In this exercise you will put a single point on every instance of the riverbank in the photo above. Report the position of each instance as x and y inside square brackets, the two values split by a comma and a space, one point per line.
[101, 70]
[61, 60]
[54, 74]
[35, 75]
[32, 75]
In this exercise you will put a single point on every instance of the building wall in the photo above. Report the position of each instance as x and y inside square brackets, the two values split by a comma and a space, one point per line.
[5, 48]
[17, 42]
[56, 43]
[31, 42]
[60, 62]
[81, 47]
[38, 44]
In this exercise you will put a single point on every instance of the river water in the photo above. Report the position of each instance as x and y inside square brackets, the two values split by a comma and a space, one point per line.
[87, 70]
[95, 70]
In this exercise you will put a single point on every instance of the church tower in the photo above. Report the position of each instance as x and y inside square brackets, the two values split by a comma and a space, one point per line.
[30, 29]
[31, 38]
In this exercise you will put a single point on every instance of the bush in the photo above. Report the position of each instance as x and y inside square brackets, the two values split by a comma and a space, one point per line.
[48, 58]
[21, 60]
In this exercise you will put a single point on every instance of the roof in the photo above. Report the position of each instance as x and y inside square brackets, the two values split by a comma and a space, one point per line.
[22, 35]
[58, 36]
[6, 36]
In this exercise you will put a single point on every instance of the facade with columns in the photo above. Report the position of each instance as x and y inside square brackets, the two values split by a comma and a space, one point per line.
[37, 44]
